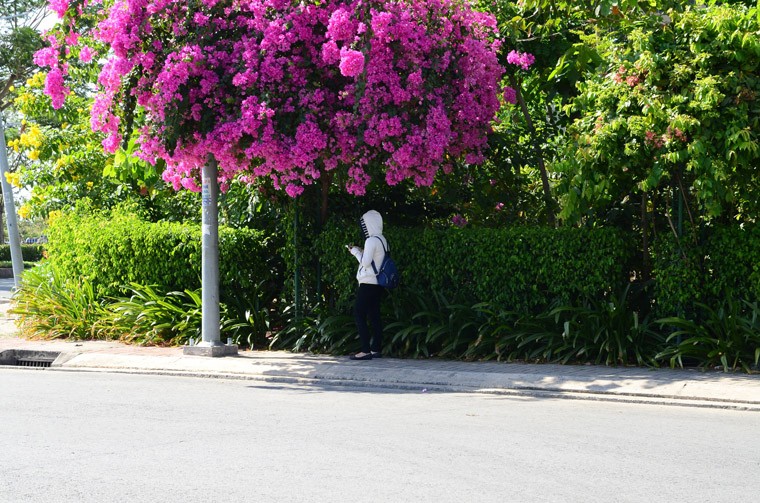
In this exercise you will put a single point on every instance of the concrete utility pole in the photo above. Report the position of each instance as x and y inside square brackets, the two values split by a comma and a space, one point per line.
[10, 212]
[210, 345]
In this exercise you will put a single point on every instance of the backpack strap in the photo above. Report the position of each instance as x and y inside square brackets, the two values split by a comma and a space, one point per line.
[385, 250]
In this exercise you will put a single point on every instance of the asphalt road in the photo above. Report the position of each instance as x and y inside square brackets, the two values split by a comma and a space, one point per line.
[95, 437]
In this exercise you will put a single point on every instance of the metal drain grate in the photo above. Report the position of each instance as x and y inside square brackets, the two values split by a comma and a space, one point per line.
[25, 362]
[28, 358]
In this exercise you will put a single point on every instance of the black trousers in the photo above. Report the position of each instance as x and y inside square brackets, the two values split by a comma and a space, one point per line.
[367, 306]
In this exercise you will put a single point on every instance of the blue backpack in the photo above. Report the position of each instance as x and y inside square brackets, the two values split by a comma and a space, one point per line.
[388, 275]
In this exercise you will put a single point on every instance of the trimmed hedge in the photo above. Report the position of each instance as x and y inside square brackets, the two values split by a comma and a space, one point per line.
[30, 253]
[114, 251]
[521, 269]
[726, 264]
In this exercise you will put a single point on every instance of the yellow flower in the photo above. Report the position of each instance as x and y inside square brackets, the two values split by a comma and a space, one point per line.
[24, 211]
[37, 80]
[33, 138]
[34, 155]
[13, 178]
[54, 215]
[89, 185]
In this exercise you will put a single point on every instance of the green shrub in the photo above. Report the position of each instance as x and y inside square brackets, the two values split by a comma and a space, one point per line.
[318, 332]
[417, 326]
[520, 269]
[30, 253]
[732, 263]
[481, 293]
[151, 317]
[119, 249]
[51, 306]
[606, 331]
[725, 263]
[728, 336]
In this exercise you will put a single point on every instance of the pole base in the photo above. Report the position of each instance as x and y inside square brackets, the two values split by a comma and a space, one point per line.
[213, 351]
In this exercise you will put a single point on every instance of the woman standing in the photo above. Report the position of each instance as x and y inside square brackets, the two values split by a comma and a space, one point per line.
[369, 294]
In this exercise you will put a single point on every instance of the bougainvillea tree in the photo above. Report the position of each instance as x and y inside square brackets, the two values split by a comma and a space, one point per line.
[285, 90]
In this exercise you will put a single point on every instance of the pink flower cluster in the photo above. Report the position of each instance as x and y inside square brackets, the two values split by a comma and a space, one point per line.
[59, 7]
[54, 82]
[671, 134]
[510, 95]
[653, 140]
[459, 220]
[86, 54]
[55, 88]
[522, 59]
[351, 62]
[675, 133]
[631, 80]
[291, 90]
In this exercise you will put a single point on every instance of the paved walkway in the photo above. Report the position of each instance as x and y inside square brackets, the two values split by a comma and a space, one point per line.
[640, 385]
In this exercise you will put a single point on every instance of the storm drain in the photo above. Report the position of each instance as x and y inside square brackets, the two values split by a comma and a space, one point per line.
[27, 358]
[25, 362]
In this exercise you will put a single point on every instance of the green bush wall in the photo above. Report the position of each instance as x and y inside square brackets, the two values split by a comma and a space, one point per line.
[520, 269]
[115, 250]
[725, 263]
[30, 253]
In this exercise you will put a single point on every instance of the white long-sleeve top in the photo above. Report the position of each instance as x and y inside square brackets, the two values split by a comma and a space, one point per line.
[373, 251]
[372, 228]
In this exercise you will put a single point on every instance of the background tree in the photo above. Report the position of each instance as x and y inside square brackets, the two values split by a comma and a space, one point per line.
[671, 118]
[61, 160]
[19, 39]
[527, 138]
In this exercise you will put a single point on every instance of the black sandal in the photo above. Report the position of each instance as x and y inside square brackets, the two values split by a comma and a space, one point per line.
[361, 356]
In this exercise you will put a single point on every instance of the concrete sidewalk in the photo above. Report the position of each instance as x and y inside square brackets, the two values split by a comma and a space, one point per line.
[638, 385]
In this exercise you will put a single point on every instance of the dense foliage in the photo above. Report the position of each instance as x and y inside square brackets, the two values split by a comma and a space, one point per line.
[51, 305]
[19, 40]
[723, 265]
[30, 253]
[522, 269]
[114, 250]
[673, 112]
[549, 296]
[606, 332]
[61, 158]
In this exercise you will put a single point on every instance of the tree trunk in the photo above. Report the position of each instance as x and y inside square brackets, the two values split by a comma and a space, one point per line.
[550, 204]
[324, 197]
[646, 268]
